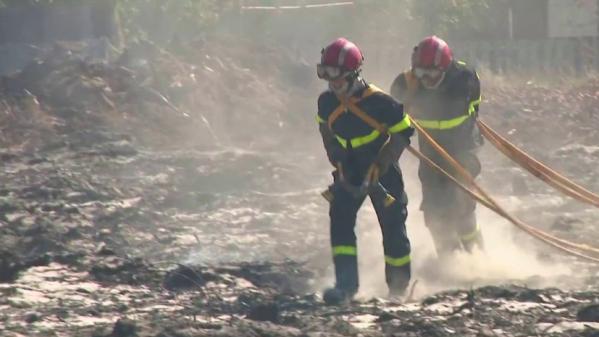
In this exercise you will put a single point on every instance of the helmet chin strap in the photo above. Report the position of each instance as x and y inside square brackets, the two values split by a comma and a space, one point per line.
[357, 84]
[339, 91]
[436, 85]
[351, 86]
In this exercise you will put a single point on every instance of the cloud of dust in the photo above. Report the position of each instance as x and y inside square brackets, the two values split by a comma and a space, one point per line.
[509, 256]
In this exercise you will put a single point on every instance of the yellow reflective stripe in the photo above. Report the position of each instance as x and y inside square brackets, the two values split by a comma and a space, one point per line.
[389, 199]
[345, 250]
[472, 235]
[369, 138]
[449, 123]
[397, 261]
[342, 141]
[442, 124]
[472, 106]
[404, 124]
[320, 120]
[359, 141]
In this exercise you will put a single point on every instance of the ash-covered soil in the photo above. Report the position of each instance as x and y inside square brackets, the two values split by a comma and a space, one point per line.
[163, 195]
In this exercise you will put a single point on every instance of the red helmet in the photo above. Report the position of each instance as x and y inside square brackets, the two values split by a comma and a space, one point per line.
[432, 53]
[339, 59]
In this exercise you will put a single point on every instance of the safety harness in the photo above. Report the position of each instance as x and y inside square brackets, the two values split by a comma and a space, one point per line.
[379, 129]
[351, 104]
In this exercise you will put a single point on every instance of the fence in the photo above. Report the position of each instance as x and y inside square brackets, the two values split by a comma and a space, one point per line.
[249, 5]
[282, 17]
[565, 55]
[304, 26]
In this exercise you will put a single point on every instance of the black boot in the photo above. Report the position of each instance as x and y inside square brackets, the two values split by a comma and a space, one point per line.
[346, 276]
[398, 279]
[337, 296]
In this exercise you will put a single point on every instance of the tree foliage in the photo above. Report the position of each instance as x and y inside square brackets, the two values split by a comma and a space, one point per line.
[161, 18]
[459, 18]
[142, 16]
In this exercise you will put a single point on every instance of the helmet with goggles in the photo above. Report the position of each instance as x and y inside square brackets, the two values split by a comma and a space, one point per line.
[340, 59]
[430, 60]
[431, 57]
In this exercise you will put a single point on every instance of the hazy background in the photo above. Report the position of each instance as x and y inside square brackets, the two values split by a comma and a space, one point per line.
[245, 72]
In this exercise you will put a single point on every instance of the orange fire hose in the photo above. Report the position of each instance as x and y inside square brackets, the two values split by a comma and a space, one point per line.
[484, 198]
[537, 168]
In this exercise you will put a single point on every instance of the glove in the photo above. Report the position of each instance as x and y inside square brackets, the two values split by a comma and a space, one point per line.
[389, 154]
[373, 187]
[356, 191]
[340, 182]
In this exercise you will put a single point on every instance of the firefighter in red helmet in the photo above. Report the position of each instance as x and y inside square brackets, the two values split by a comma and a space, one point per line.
[364, 131]
[443, 96]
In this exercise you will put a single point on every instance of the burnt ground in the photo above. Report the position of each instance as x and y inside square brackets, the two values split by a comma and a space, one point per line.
[127, 209]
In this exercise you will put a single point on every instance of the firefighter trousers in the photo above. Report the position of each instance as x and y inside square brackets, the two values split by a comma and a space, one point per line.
[449, 212]
[391, 212]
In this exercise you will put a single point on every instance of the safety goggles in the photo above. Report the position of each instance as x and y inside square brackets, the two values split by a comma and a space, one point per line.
[428, 72]
[329, 73]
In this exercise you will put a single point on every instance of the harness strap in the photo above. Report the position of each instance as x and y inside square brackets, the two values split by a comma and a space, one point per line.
[351, 104]
[369, 91]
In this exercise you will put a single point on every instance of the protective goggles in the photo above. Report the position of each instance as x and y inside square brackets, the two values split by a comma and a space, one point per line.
[428, 72]
[329, 73]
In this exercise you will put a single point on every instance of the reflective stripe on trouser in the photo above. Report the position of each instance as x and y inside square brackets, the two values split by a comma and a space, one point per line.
[472, 239]
[343, 210]
[449, 231]
[396, 244]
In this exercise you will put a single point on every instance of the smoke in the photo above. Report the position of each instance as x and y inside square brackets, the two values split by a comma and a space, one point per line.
[298, 226]
[509, 256]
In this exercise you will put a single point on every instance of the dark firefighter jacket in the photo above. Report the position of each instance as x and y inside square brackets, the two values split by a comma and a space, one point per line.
[349, 140]
[448, 113]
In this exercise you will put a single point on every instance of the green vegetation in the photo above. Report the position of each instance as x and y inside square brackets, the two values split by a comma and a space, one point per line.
[448, 18]
[141, 16]
[461, 18]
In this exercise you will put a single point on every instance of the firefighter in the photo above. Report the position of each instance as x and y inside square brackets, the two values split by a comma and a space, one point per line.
[364, 131]
[443, 96]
